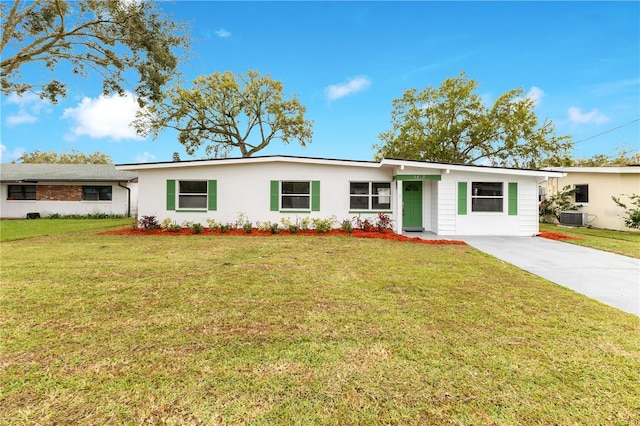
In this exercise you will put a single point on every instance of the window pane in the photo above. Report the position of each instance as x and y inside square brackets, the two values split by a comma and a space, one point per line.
[359, 203]
[193, 187]
[381, 203]
[295, 188]
[95, 193]
[486, 204]
[582, 193]
[293, 202]
[359, 188]
[486, 189]
[192, 201]
[22, 192]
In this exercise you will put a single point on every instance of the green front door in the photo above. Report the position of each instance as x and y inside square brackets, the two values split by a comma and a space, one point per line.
[412, 204]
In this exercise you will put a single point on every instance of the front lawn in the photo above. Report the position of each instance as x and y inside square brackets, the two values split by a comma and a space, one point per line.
[11, 230]
[622, 242]
[114, 329]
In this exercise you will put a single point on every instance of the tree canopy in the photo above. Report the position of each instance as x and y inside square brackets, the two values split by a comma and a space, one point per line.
[452, 124]
[73, 157]
[225, 111]
[623, 157]
[107, 37]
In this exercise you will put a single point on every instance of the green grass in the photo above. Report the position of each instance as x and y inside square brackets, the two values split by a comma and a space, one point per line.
[301, 330]
[11, 230]
[621, 242]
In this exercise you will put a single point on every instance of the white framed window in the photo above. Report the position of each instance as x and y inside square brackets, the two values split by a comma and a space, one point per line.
[369, 195]
[487, 197]
[192, 194]
[295, 195]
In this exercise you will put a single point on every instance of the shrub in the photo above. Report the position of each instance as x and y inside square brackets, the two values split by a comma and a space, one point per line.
[290, 226]
[632, 218]
[556, 203]
[275, 228]
[148, 223]
[324, 225]
[347, 226]
[196, 227]
[305, 223]
[363, 224]
[240, 220]
[263, 226]
[383, 222]
[225, 228]
[213, 224]
[248, 227]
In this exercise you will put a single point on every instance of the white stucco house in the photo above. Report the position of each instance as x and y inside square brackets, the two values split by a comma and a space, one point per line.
[66, 189]
[594, 187]
[444, 199]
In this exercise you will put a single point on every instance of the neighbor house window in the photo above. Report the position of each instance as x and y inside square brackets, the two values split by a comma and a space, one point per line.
[487, 196]
[192, 194]
[21, 192]
[97, 193]
[296, 195]
[582, 193]
[370, 195]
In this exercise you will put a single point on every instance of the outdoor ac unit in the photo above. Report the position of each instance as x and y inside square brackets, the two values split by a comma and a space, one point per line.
[573, 218]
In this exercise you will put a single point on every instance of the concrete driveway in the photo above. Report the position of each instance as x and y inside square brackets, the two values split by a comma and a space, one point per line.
[607, 277]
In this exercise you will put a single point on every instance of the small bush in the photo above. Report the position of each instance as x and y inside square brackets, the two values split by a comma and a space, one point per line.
[225, 228]
[383, 222]
[290, 226]
[347, 226]
[363, 224]
[305, 223]
[323, 225]
[213, 224]
[240, 220]
[148, 223]
[264, 226]
[248, 227]
[196, 228]
[275, 228]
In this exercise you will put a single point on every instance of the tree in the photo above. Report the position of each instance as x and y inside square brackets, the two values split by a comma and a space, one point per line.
[222, 110]
[109, 37]
[451, 124]
[623, 157]
[73, 157]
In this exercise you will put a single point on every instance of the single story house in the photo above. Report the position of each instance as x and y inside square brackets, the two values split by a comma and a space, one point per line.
[66, 189]
[594, 187]
[445, 199]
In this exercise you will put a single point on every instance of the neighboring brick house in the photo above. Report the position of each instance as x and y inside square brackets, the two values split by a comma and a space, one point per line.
[594, 188]
[66, 189]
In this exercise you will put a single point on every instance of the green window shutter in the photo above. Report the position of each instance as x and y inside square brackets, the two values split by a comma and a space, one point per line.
[275, 195]
[462, 198]
[171, 194]
[212, 195]
[315, 196]
[513, 198]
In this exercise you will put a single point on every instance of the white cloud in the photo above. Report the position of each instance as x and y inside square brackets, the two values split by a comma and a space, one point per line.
[145, 157]
[535, 94]
[29, 108]
[104, 117]
[351, 86]
[6, 157]
[223, 33]
[577, 116]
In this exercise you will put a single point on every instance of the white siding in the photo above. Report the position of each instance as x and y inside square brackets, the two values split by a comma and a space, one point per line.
[246, 189]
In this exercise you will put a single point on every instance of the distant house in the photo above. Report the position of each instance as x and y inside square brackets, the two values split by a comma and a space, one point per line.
[594, 187]
[445, 199]
[66, 189]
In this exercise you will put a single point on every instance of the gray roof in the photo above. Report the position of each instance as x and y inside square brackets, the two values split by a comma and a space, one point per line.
[64, 172]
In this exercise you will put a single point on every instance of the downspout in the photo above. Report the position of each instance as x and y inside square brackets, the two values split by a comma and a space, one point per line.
[128, 198]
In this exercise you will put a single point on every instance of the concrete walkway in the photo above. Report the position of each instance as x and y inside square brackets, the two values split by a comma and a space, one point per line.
[607, 277]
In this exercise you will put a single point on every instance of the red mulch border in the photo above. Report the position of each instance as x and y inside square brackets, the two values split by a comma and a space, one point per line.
[388, 235]
[557, 236]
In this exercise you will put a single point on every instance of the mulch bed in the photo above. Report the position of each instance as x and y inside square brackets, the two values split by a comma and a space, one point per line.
[557, 236]
[388, 235]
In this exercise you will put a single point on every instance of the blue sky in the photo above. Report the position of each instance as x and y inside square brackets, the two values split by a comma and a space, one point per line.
[347, 61]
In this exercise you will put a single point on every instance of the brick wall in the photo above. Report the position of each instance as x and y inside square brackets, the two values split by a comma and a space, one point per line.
[59, 193]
